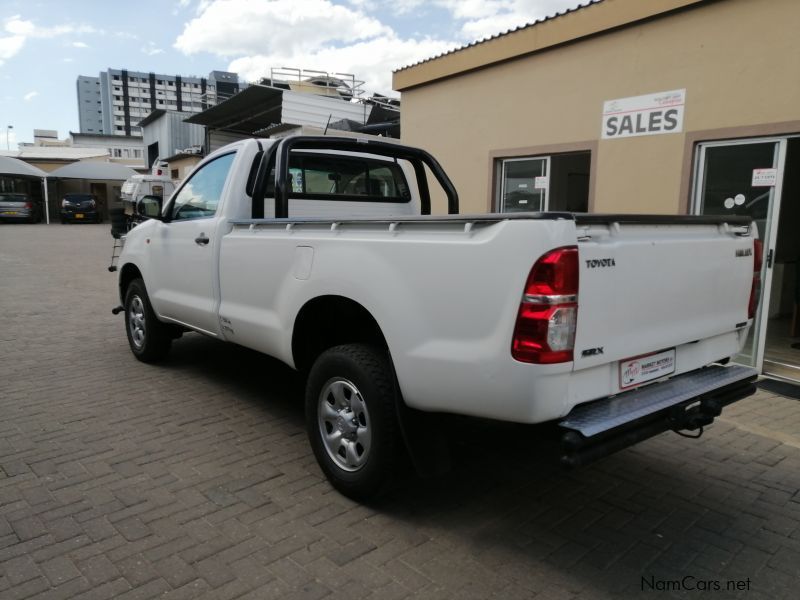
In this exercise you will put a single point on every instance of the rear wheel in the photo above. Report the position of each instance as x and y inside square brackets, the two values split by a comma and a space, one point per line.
[351, 420]
[149, 338]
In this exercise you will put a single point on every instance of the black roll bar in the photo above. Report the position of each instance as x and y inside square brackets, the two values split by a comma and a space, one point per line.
[417, 157]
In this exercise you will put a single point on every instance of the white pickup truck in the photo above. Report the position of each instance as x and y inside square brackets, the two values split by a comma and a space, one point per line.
[322, 252]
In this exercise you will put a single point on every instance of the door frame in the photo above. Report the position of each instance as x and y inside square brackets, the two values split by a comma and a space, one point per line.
[773, 216]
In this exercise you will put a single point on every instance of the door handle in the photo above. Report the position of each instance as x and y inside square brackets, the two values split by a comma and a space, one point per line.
[201, 240]
[769, 259]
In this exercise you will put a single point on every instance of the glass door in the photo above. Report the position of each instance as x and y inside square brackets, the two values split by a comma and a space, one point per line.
[744, 178]
[524, 184]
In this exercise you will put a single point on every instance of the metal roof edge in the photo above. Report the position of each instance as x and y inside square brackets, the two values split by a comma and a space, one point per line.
[563, 27]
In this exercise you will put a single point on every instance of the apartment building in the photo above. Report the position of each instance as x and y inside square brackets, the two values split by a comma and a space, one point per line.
[117, 100]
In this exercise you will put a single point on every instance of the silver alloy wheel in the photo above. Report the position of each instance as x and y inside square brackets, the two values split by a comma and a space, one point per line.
[344, 424]
[136, 322]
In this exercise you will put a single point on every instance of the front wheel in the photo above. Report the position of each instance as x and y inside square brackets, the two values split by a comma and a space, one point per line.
[351, 419]
[148, 337]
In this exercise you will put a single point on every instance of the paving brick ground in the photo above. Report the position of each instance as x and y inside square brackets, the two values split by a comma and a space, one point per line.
[193, 479]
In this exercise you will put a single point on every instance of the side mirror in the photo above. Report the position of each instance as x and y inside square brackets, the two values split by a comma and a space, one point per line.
[150, 207]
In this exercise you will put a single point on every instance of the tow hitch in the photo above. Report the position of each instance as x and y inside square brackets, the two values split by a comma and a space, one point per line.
[686, 402]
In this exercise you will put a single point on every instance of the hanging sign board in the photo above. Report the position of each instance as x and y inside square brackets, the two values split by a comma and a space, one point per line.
[764, 177]
[651, 114]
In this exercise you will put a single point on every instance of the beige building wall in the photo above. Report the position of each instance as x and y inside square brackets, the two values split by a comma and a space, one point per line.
[737, 59]
[179, 168]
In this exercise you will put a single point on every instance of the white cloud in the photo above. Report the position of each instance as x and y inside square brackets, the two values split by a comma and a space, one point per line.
[67, 60]
[19, 26]
[79, 45]
[21, 30]
[240, 27]
[151, 49]
[9, 46]
[371, 60]
[30, 96]
[482, 18]
[314, 34]
[346, 37]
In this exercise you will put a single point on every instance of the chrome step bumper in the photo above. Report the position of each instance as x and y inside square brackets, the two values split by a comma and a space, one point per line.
[687, 401]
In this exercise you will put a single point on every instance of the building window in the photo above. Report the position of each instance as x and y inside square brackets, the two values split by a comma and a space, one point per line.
[137, 153]
[119, 128]
[116, 77]
[556, 182]
[117, 153]
[173, 173]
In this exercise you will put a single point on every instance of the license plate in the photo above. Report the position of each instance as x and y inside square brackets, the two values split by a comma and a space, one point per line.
[641, 369]
[78, 215]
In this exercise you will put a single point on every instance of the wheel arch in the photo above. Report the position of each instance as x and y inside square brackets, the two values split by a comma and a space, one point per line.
[127, 274]
[331, 320]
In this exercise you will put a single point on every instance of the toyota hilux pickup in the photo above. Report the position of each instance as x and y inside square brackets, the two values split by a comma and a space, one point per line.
[323, 253]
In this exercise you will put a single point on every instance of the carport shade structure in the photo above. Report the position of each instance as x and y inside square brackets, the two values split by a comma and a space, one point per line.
[87, 169]
[14, 166]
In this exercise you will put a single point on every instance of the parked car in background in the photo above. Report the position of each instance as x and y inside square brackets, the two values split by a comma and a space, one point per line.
[80, 207]
[19, 207]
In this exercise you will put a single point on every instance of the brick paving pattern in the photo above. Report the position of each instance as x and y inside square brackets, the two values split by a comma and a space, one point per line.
[193, 479]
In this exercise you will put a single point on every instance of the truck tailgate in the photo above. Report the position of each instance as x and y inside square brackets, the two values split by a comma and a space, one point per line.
[649, 288]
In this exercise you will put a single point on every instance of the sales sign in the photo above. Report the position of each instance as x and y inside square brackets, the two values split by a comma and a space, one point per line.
[651, 114]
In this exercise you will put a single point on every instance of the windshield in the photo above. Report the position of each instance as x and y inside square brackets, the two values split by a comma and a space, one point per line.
[13, 198]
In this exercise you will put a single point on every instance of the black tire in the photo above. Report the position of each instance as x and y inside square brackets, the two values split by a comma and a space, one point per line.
[148, 338]
[367, 369]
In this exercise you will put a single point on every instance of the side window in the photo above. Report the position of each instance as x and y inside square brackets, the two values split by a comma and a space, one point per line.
[200, 196]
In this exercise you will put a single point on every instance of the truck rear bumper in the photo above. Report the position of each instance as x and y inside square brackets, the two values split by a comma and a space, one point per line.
[689, 401]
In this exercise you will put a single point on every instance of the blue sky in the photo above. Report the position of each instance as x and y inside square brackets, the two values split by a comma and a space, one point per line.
[45, 45]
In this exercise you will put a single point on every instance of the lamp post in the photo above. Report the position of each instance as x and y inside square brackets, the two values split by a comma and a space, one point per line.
[8, 130]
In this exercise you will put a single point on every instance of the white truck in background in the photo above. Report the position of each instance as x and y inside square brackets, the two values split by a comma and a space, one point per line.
[137, 187]
[322, 252]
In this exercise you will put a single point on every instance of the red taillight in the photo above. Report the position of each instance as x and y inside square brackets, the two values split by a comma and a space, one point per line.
[755, 290]
[29, 205]
[545, 328]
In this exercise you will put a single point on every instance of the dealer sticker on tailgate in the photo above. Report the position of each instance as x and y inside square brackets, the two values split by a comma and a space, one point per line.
[640, 369]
